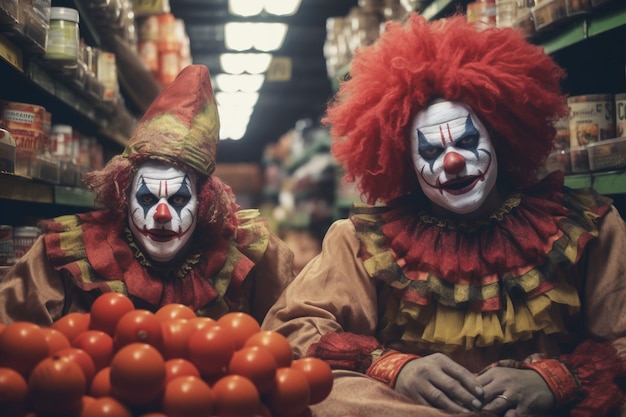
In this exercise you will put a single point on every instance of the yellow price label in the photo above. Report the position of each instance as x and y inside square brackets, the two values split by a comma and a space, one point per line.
[11, 53]
[148, 7]
[279, 70]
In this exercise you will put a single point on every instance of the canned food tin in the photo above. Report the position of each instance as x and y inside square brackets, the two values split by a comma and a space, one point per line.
[7, 255]
[591, 119]
[23, 239]
[620, 115]
[25, 122]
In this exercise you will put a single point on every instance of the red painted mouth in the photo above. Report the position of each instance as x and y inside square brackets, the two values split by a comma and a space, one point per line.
[458, 186]
[161, 235]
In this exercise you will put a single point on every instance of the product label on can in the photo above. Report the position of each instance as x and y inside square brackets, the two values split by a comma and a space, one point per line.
[25, 122]
[7, 256]
[620, 115]
[591, 119]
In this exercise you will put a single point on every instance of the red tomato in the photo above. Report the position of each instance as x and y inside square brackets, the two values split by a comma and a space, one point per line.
[318, 374]
[137, 374]
[138, 326]
[13, 391]
[56, 340]
[107, 309]
[56, 386]
[176, 334]
[87, 399]
[106, 407]
[188, 396]
[210, 350]
[101, 383]
[255, 363]
[175, 311]
[235, 396]
[290, 395]
[200, 322]
[275, 343]
[22, 346]
[241, 324]
[72, 324]
[98, 344]
[179, 367]
[83, 359]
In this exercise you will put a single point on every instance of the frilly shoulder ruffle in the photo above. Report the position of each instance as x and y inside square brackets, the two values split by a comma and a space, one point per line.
[459, 284]
[98, 255]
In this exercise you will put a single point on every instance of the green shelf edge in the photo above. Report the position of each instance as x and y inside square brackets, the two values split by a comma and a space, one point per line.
[587, 26]
[610, 182]
[72, 196]
[434, 8]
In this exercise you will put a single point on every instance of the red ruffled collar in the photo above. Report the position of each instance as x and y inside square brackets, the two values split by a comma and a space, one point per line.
[519, 246]
[95, 254]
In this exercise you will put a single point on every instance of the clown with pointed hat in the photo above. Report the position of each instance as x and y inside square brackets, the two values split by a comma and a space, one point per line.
[168, 232]
[470, 284]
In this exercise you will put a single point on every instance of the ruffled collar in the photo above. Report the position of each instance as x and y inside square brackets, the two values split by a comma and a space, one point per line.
[92, 250]
[499, 265]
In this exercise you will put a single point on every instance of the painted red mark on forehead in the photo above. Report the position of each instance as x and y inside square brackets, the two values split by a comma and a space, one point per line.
[443, 137]
[163, 184]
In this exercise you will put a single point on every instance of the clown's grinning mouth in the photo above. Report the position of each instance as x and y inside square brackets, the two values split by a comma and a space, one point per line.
[459, 183]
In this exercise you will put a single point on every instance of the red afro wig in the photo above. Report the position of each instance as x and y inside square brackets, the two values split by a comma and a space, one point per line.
[217, 209]
[512, 85]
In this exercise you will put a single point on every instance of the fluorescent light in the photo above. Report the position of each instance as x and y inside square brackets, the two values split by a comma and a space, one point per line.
[269, 36]
[248, 83]
[233, 121]
[243, 36]
[252, 63]
[237, 35]
[282, 7]
[245, 8]
[249, 8]
[236, 99]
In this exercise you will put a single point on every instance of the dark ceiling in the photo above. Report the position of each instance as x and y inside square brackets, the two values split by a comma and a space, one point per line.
[281, 103]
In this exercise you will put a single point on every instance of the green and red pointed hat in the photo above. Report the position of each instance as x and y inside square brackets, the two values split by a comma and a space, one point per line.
[182, 124]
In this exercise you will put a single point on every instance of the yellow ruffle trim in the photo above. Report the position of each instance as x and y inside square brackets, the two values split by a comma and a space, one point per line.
[451, 328]
[453, 325]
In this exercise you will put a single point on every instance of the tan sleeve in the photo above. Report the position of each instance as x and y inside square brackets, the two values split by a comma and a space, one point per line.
[605, 284]
[273, 273]
[32, 290]
[332, 293]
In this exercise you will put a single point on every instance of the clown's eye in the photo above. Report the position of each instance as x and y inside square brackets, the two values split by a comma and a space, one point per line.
[467, 142]
[146, 199]
[179, 200]
[430, 152]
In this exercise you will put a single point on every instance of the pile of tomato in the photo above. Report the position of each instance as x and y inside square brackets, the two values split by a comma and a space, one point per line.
[121, 361]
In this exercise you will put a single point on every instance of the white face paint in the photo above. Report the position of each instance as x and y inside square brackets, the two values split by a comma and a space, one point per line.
[453, 156]
[162, 210]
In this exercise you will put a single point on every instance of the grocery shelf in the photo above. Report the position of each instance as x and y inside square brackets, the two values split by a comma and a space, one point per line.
[18, 188]
[592, 24]
[609, 182]
[15, 187]
[435, 7]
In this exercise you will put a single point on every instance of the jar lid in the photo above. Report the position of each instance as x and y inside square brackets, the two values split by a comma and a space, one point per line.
[620, 96]
[27, 231]
[62, 129]
[590, 97]
[64, 13]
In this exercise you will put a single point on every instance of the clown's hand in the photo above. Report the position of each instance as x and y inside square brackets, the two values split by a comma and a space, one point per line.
[515, 392]
[438, 381]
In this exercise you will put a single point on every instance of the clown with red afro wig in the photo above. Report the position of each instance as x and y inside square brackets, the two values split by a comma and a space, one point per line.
[466, 285]
[513, 86]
